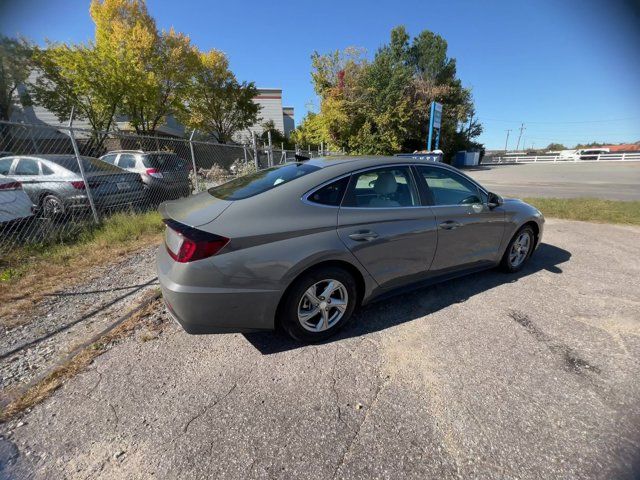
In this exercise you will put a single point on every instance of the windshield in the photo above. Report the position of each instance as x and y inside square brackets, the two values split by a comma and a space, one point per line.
[261, 181]
[90, 164]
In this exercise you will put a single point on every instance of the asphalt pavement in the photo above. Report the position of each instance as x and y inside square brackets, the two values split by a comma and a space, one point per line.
[533, 375]
[606, 180]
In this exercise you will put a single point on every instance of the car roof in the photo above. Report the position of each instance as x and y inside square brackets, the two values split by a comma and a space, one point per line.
[55, 158]
[354, 162]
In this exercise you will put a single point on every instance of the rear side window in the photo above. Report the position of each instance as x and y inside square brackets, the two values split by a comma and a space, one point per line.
[127, 161]
[5, 166]
[259, 182]
[165, 162]
[46, 170]
[388, 187]
[330, 194]
[27, 166]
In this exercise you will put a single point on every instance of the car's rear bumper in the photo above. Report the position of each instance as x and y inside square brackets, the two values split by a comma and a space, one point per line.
[222, 308]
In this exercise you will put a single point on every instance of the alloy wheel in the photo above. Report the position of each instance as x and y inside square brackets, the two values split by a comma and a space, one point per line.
[322, 305]
[520, 249]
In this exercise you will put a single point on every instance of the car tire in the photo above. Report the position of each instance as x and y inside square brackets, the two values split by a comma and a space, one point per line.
[51, 207]
[304, 305]
[519, 250]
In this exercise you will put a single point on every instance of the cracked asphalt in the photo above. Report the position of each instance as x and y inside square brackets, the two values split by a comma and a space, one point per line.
[491, 376]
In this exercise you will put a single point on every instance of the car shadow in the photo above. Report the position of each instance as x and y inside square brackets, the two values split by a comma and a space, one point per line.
[420, 302]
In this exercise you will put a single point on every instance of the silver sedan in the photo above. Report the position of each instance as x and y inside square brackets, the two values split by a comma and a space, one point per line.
[301, 245]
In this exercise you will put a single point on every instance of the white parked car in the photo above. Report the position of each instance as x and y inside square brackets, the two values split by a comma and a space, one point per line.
[14, 202]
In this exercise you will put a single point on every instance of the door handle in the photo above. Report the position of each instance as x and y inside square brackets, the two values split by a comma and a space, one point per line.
[449, 225]
[364, 235]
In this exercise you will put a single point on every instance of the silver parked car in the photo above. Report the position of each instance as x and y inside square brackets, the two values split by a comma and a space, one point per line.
[15, 205]
[303, 244]
[165, 175]
[55, 186]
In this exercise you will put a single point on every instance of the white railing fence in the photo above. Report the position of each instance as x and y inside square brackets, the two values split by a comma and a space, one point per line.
[605, 157]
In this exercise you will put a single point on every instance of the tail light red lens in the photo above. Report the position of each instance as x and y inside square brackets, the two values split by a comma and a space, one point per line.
[154, 172]
[78, 185]
[187, 244]
[11, 186]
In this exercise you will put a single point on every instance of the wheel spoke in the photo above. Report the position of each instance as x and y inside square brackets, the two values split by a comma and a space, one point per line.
[329, 289]
[311, 295]
[325, 320]
[305, 316]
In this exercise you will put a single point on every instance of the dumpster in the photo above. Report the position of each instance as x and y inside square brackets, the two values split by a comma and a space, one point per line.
[466, 159]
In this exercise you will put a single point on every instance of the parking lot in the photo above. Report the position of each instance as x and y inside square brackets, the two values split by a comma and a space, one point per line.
[490, 376]
[606, 180]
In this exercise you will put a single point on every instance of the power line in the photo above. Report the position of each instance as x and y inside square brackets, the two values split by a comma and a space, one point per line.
[485, 119]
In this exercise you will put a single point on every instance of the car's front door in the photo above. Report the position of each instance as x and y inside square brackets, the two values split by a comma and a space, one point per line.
[382, 221]
[469, 232]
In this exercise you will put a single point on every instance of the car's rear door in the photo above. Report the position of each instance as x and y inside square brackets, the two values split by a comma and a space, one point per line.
[384, 224]
[27, 172]
[469, 232]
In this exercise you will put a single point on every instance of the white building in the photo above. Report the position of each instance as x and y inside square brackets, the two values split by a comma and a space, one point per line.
[269, 99]
[271, 109]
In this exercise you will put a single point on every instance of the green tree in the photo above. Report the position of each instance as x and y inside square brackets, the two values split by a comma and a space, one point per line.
[156, 66]
[218, 104]
[14, 71]
[382, 106]
[556, 146]
[277, 137]
[84, 77]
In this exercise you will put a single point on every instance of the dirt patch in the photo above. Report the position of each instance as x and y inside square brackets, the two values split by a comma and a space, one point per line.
[139, 317]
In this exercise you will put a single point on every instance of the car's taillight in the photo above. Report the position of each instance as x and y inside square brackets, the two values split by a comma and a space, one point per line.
[78, 185]
[188, 244]
[154, 172]
[11, 186]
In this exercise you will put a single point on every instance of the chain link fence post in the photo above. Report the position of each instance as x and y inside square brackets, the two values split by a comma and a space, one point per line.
[193, 161]
[255, 150]
[76, 152]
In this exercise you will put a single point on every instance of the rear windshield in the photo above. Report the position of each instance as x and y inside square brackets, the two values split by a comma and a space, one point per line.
[261, 181]
[90, 164]
[164, 162]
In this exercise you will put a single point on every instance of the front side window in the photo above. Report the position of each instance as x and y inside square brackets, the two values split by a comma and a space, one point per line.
[330, 194]
[449, 188]
[110, 158]
[261, 181]
[382, 188]
[27, 166]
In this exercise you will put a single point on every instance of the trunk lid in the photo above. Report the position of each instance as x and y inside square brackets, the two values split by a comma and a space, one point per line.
[194, 211]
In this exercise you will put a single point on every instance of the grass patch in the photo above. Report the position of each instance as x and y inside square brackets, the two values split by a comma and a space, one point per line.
[589, 209]
[31, 271]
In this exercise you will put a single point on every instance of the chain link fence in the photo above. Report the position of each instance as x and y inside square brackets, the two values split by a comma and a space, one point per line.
[56, 182]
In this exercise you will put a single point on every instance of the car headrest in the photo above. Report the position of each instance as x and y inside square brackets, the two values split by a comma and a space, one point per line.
[385, 184]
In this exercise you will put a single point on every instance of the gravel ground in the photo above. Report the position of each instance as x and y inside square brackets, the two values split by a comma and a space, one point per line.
[70, 316]
[491, 376]
[607, 180]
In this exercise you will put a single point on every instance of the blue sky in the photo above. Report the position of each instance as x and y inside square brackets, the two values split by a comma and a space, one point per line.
[570, 70]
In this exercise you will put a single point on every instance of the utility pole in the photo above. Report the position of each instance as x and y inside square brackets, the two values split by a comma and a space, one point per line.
[506, 142]
[522, 129]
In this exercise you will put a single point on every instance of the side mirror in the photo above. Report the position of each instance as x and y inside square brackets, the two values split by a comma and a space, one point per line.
[494, 200]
